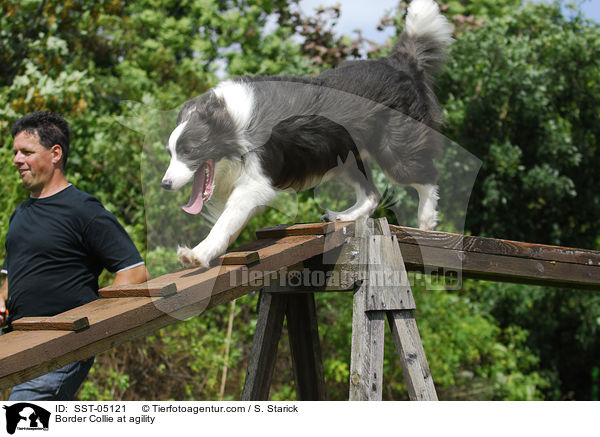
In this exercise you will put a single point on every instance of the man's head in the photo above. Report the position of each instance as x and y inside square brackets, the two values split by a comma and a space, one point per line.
[51, 129]
[41, 146]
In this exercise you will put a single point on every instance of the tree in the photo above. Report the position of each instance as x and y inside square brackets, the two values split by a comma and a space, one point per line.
[521, 92]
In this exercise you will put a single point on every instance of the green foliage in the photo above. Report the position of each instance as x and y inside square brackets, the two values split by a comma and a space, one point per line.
[470, 355]
[563, 328]
[521, 93]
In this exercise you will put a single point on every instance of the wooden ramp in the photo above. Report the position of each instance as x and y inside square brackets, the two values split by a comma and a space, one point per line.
[124, 313]
[39, 345]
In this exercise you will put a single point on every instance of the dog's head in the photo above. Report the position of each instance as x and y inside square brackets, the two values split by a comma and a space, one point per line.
[205, 134]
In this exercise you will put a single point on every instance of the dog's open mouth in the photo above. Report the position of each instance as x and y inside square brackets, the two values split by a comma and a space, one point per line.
[202, 189]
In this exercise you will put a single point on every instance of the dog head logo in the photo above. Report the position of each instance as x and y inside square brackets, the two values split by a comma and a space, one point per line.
[26, 416]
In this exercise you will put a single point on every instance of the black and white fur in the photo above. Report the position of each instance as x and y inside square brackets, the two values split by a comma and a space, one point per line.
[269, 134]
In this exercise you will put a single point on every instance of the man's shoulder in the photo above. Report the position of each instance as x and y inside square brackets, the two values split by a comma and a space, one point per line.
[79, 198]
[78, 203]
[74, 192]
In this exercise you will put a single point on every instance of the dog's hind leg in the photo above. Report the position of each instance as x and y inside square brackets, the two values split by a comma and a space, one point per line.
[428, 198]
[367, 199]
[247, 199]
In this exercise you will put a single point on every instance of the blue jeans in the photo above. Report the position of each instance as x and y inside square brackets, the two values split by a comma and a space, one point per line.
[60, 385]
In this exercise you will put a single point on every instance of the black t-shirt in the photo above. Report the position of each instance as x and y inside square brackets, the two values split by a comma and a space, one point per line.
[56, 247]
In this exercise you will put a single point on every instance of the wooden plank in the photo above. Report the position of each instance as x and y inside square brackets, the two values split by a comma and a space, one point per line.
[494, 246]
[500, 268]
[412, 355]
[366, 362]
[368, 330]
[305, 346]
[388, 280]
[240, 258]
[25, 355]
[263, 354]
[139, 290]
[55, 323]
[297, 229]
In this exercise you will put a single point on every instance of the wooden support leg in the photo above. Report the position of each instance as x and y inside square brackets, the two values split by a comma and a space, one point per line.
[264, 347]
[368, 331]
[366, 363]
[412, 356]
[384, 291]
[305, 347]
[366, 360]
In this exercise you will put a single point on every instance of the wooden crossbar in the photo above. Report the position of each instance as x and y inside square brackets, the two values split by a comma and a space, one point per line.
[298, 229]
[244, 258]
[55, 323]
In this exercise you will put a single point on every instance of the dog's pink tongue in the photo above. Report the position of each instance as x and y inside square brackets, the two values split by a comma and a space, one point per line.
[196, 202]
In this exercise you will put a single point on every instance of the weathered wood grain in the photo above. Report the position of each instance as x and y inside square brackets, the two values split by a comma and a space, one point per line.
[503, 268]
[368, 331]
[372, 302]
[494, 246]
[408, 342]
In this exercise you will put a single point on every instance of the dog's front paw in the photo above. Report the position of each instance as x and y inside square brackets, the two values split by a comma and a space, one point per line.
[189, 258]
[330, 216]
[346, 216]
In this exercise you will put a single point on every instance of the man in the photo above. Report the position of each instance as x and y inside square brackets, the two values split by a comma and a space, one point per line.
[58, 243]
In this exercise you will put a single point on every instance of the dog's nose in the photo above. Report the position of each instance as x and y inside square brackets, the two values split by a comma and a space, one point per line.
[166, 184]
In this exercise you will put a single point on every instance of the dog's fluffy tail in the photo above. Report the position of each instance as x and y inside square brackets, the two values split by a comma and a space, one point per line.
[426, 35]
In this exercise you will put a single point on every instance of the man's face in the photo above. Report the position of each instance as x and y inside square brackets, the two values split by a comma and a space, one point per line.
[34, 162]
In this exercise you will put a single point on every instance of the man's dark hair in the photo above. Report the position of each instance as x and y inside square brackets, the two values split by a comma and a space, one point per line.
[50, 127]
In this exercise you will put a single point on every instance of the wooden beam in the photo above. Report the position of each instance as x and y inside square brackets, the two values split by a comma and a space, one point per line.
[495, 246]
[498, 260]
[419, 381]
[368, 331]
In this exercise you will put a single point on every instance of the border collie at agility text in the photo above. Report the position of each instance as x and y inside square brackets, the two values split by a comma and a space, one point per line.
[250, 138]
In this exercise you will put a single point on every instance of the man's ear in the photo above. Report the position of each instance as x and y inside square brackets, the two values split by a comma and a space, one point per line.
[57, 154]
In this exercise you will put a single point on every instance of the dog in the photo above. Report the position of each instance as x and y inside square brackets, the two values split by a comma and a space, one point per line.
[250, 138]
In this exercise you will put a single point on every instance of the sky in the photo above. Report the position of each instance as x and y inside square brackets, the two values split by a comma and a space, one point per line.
[365, 15]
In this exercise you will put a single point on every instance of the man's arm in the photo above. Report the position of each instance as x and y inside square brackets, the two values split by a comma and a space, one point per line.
[135, 275]
[3, 299]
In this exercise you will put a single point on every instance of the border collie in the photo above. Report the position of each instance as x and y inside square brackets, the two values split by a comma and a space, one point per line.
[250, 138]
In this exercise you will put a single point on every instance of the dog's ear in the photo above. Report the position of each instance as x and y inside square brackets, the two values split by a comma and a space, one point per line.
[147, 120]
[135, 119]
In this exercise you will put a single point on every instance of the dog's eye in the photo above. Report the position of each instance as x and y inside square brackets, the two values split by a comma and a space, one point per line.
[183, 148]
